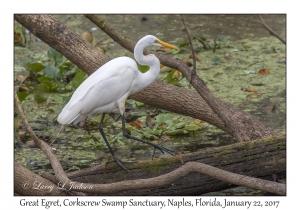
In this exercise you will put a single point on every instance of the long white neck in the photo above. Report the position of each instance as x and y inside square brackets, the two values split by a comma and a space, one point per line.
[146, 79]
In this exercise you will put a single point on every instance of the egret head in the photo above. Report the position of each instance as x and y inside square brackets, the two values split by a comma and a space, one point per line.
[152, 40]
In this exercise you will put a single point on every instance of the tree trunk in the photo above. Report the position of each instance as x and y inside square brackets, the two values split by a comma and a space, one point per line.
[263, 158]
[171, 98]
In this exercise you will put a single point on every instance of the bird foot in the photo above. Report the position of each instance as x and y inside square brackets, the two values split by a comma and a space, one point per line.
[162, 149]
[120, 163]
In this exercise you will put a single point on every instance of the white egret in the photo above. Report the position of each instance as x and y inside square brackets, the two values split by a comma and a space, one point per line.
[109, 87]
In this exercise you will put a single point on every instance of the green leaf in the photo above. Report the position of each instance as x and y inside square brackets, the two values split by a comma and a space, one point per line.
[143, 68]
[179, 85]
[223, 37]
[170, 79]
[148, 135]
[156, 131]
[22, 95]
[179, 125]
[216, 60]
[139, 114]
[136, 134]
[118, 138]
[162, 118]
[62, 69]
[41, 93]
[192, 127]
[203, 38]
[176, 132]
[58, 99]
[55, 56]
[139, 104]
[130, 101]
[183, 44]
[174, 52]
[50, 85]
[35, 67]
[43, 79]
[52, 72]
[79, 77]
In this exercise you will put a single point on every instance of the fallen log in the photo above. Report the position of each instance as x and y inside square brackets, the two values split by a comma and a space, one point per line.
[262, 158]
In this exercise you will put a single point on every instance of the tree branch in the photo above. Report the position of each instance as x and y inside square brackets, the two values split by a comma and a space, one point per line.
[272, 32]
[162, 180]
[237, 127]
[193, 72]
[26, 183]
[171, 98]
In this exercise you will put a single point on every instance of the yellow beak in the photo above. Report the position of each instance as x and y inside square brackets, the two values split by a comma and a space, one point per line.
[167, 45]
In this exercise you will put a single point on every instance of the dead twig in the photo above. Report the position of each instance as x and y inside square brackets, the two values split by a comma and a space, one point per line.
[193, 72]
[272, 32]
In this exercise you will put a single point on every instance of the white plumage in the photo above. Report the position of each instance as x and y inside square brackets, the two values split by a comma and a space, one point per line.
[110, 85]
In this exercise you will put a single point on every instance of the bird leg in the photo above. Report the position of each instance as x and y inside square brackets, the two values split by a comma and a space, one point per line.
[118, 161]
[127, 109]
[162, 149]
[153, 153]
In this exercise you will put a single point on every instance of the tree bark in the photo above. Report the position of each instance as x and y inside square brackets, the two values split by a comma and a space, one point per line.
[28, 183]
[243, 128]
[260, 158]
[171, 98]
[162, 180]
[265, 159]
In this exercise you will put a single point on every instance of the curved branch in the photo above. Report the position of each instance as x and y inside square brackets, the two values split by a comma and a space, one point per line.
[159, 181]
[27, 183]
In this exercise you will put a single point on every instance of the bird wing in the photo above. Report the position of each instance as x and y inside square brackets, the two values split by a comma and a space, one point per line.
[100, 91]
[109, 70]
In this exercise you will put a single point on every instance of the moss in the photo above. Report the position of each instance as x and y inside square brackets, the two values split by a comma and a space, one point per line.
[224, 152]
[251, 144]
[157, 165]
